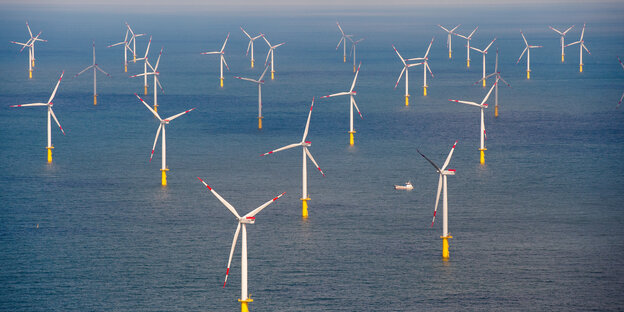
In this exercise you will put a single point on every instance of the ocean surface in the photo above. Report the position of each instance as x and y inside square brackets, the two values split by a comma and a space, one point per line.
[539, 227]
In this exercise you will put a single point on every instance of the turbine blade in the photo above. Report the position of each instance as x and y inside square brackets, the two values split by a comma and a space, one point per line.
[148, 47]
[489, 45]
[155, 141]
[148, 107]
[521, 55]
[246, 34]
[178, 115]
[448, 158]
[305, 132]
[568, 30]
[355, 78]
[28, 105]
[472, 33]
[56, 88]
[282, 148]
[429, 47]
[488, 94]
[335, 94]
[523, 38]
[105, 73]
[397, 52]
[84, 70]
[248, 79]
[224, 62]
[57, 122]
[264, 72]
[223, 201]
[225, 42]
[254, 212]
[158, 59]
[356, 107]
[313, 161]
[466, 102]
[227, 272]
[429, 160]
[435, 209]
[400, 75]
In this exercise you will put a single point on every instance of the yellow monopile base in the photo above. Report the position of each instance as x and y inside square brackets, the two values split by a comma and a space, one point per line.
[450, 52]
[33, 63]
[252, 63]
[244, 304]
[95, 99]
[260, 123]
[134, 59]
[272, 74]
[562, 57]
[221, 79]
[445, 246]
[125, 68]
[581, 68]
[164, 176]
[304, 207]
[351, 142]
[50, 148]
[482, 155]
[155, 107]
[407, 100]
[145, 89]
[344, 59]
[496, 111]
[468, 63]
[424, 90]
[30, 74]
[354, 68]
[528, 74]
[484, 83]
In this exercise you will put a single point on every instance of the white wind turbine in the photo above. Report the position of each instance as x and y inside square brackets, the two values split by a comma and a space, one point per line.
[482, 106]
[484, 52]
[145, 64]
[126, 48]
[562, 34]
[271, 49]
[352, 104]
[34, 39]
[353, 46]
[154, 72]
[251, 45]
[442, 185]
[406, 71]
[49, 105]
[582, 46]
[425, 63]
[621, 98]
[449, 42]
[528, 52]
[249, 218]
[260, 82]
[30, 44]
[496, 73]
[133, 40]
[95, 69]
[163, 123]
[343, 40]
[304, 173]
[468, 38]
[222, 61]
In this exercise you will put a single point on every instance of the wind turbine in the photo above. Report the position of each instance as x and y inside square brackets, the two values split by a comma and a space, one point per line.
[222, 61]
[582, 46]
[353, 46]
[496, 73]
[95, 69]
[562, 34]
[271, 49]
[34, 39]
[251, 45]
[468, 38]
[482, 106]
[448, 39]
[163, 123]
[484, 52]
[156, 74]
[49, 105]
[144, 59]
[406, 71]
[304, 173]
[133, 40]
[621, 98]
[31, 49]
[126, 48]
[425, 63]
[442, 185]
[343, 40]
[352, 104]
[260, 82]
[249, 218]
[528, 52]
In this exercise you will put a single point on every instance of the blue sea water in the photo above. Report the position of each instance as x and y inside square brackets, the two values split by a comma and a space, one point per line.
[539, 227]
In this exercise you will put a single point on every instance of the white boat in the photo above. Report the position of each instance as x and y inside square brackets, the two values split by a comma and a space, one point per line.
[408, 186]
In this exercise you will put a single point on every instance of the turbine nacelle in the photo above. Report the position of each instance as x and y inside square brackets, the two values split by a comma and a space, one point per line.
[306, 143]
[247, 220]
[448, 172]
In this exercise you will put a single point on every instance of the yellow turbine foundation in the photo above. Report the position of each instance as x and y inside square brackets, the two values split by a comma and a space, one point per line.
[450, 52]
[30, 74]
[445, 246]
[221, 81]
[244, 304]
[272, 74]
[134, 59]
[407, 100]
[164, 176]
[252, 63]
[468, 63]
[562, 57]
[482, 155]
[33, 63]
[260, 123]
[424, 90]
[496, 111]
[145, 89]
[125, 68]
[581, 68]
[528, 74]
[351, 142]
[95, 99]
[50, 148]
[484, 83]
[155, 107]
[344, 59]
[304, 207]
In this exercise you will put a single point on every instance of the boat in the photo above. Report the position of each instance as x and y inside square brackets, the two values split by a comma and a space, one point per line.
[408, 186]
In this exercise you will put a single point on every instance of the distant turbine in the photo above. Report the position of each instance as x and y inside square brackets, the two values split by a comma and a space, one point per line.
[498, 77]
[251, 45]
[582, 46]
[449, 43]
[145, 62]
[528, 52]
[260, 82]
[343, 40]
[156, 74]
[484, 52]
[126, 48]
[30, 44]
[222, 61]
[425, 63]
[353, 46]
[406, 71]
[271, 49]
[133, 40]
[95, 69]
[562, 34]
[468, 38]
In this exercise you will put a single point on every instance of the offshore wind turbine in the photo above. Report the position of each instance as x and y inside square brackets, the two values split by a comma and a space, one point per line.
[249, 218]
[562, 34]
[496, 73]
[621, 98]
[30, 44]
[154, 72]
[144, 59]
[251, 45]
[163, 123]
[260, 82]
[95, 69]
[352, 104]
[425, 63]
[304, 171]
[34, 39]
[126, 48]
[468, 38]
[449, 42]
[484, 52]
[49, 105]
[271, 49]
[528, 52]
[442, 186]
[343, 40]
[222, 61]
[582, 46]
[406, 71]
[482, 106]
[353, 46]
[133, 40]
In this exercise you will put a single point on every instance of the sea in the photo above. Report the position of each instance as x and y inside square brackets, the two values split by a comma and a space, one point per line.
[539, 227]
